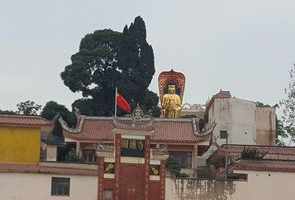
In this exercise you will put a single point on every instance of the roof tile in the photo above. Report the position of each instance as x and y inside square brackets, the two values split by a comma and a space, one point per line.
[23, 121]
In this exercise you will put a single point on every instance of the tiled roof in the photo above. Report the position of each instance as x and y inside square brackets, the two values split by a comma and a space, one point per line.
[177, 131]
[265, 165]
[23, 121]
[93, 129]
[36, 168]
[174, 130]
[272, 152]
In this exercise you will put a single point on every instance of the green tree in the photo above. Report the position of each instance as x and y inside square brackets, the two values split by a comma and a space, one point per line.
[28, 108]
[288, 106]
[108, 59]
[7, 112]
[280, 132]
[51, 109]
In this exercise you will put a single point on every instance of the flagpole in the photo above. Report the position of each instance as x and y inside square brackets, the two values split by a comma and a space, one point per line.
[116, 93]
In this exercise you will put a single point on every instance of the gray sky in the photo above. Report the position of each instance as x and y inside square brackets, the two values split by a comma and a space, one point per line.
[246, 47]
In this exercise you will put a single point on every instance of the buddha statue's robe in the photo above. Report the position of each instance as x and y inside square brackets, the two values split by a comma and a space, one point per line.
[171, 105]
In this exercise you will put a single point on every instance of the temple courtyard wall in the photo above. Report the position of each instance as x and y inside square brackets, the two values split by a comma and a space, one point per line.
[260, 185]
[33, 186]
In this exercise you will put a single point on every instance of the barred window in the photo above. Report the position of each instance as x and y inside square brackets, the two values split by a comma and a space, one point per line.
[60, 186]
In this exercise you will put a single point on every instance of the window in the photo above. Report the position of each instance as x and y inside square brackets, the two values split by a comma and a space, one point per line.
[132, 147]
[183, 158]
[88, 156]
[67, 152]
[223, 134]
[60, 186]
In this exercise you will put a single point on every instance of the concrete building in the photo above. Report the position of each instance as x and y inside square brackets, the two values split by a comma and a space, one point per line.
[267, 177]
[20, 138]
[242, 120]
[48, 181]
[130, 152]
[23, 175]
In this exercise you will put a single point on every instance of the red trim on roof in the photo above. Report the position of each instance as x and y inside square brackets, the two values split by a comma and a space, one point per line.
[23, 121]
[173, 131]
[35, 168]
[265, 165]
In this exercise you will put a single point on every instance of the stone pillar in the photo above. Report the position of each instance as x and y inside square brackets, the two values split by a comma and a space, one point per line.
[100, 165]
[117, 165]
[162, 179]
[147, 156]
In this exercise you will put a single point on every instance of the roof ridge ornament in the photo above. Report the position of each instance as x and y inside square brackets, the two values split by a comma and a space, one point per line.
[137, 113]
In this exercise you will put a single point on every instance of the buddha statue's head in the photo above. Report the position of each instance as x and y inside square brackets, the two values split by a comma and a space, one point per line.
[171, 89]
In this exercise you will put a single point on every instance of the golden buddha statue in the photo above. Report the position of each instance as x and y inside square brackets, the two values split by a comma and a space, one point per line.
[171, 103]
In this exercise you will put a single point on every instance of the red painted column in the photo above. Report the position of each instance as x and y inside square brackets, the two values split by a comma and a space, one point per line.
[162, 179]
[100, 163]
[117, 166]
[146, 167]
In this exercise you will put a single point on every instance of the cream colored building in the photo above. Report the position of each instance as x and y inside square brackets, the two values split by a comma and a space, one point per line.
[244, 122]
[265, 185]
[48, 182]
[263, 180]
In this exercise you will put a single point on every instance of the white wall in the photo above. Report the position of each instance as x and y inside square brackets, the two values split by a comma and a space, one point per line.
[266, 186]
[237, 116]
[243, 122]
[260, 186]
[17, 186]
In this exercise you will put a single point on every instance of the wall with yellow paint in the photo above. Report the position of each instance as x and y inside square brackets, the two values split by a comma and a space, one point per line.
[19, 145]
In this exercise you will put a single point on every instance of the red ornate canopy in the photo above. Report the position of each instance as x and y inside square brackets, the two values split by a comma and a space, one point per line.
[171, 78]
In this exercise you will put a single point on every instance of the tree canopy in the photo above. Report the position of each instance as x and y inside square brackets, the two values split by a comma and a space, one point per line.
[7, 112]
[52, 108]
[288, 107]
[28, 108]
[108, 59]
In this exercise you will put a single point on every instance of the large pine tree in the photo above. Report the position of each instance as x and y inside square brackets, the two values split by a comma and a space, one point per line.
[109, 59]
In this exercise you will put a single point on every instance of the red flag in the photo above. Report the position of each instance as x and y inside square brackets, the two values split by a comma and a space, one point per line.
[123, 104]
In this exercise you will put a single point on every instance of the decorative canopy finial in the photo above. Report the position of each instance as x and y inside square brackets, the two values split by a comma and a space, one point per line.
[137, 113]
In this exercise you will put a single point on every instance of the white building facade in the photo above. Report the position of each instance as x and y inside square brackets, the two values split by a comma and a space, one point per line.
[242, 120]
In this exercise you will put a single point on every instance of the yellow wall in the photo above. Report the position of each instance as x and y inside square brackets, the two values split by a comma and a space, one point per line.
[19, 145]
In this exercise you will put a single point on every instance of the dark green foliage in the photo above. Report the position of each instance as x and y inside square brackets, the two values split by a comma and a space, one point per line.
[149, 102]
[51, 109]
[72, 156]
[28, 108]
[86, 106]
[7, 112]
[260, 104]
[109, 59]
[252, 154]
[174, 168]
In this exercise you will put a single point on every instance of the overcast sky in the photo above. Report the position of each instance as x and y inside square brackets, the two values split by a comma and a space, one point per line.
[246, 47]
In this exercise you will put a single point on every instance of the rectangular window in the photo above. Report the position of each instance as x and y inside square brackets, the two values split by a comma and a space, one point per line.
[183, 158]
[60, 186]
[67, 152]
[88, 156]
[223, 134]
[132, 147]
